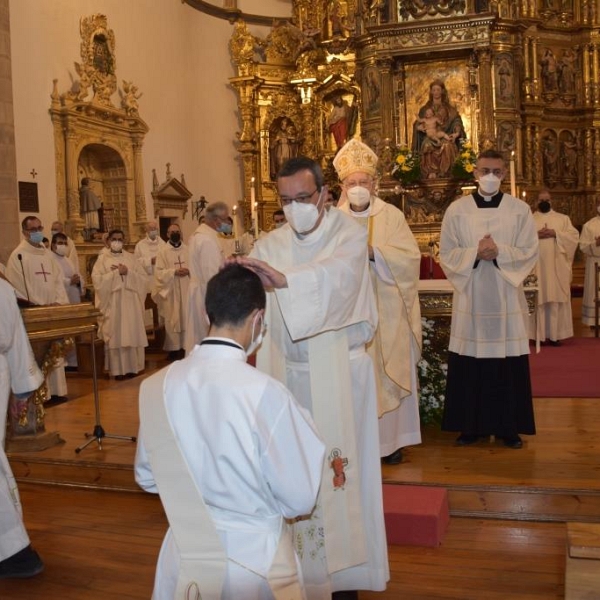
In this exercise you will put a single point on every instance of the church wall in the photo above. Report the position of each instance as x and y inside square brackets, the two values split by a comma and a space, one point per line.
[178, 58]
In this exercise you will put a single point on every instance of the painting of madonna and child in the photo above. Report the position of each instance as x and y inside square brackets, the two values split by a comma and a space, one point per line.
[438, 128]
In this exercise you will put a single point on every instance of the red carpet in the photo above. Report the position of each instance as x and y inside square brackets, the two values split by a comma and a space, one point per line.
[568, 371]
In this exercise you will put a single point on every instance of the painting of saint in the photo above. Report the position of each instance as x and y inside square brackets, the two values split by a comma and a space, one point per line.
[438, 154]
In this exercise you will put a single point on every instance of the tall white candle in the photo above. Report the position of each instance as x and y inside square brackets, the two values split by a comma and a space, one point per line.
[254, 208]
[513, 179]
[235, 223]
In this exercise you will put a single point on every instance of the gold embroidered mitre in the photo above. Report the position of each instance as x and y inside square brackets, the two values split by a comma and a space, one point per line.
[355, 156]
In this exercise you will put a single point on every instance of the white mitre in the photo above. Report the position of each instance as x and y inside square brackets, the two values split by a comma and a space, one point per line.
[353, 157]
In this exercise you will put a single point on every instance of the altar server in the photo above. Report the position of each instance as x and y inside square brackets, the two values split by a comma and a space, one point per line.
[488, 246]
[231, 454]
[321, 313]
[394, 260]
[19, 371]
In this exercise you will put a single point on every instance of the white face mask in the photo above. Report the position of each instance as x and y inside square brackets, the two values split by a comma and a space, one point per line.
[301, 216]
[359, 197]
[116, 245]
[489, 184]
[61, 250]
[279, 224]
[153, 234]
[255, 343]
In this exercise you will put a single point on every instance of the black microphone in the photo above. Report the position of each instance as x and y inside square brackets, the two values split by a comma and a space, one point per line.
[24, 280]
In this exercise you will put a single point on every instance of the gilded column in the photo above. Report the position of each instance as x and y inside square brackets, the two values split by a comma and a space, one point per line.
[387, 94]
[595, 83]
[486, 95]
[9, 204]
[594, 160]
[537, 156]
[140, 198]
[587, 88]
[534, 61]
[72, 182]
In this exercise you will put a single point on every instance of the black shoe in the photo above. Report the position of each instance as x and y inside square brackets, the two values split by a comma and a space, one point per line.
[466, 439]
[25, 563]
[347, 595]
[54, 400]
[555, 343]
[173, 355]
[513, 441]
[119, 377]
[395, 458]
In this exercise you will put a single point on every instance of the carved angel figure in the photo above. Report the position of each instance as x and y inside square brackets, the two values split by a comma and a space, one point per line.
[130, 98]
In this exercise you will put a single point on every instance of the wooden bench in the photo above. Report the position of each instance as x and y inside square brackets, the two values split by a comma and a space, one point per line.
[582, 575]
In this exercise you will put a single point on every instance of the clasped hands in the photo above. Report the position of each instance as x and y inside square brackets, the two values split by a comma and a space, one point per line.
[487, 249]
[121, 267]
[546, 233]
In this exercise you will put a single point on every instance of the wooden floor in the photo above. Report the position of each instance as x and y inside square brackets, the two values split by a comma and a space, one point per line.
[506, 535]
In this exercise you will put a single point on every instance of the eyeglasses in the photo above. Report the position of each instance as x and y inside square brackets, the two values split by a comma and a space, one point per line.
[302, 198]
[32, 229]
[486, 171]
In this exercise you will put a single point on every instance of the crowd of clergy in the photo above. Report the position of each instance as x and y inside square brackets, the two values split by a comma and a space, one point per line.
[341, 276]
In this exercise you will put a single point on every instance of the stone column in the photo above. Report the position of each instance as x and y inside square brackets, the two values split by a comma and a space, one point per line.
[9, 204]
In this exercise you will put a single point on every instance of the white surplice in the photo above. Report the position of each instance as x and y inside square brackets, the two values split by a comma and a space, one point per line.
[318, 328]
[554, 274]
[171, 292]
[121, 298]
[489, 310]
[19, 371]
[587, 244]
[396, 347]
[43, 282]
[206, 258]
[254, 454]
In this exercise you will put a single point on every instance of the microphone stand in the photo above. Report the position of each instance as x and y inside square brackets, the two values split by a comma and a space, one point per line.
[20, 257]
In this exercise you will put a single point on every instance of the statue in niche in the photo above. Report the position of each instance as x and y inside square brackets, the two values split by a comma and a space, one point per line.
[506, 137]
[102, 60]
[550, 157]
[566, 72]
[549, 71]
[373, 92]
[283, 145]
[341, 121]
[438, 156]
[569, 156]
[90, 204]
[505, 77]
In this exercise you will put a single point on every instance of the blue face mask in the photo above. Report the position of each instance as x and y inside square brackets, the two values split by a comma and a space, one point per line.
[225, 228]
[36, 237]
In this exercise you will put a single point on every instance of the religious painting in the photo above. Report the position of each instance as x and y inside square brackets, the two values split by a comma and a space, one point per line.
[372, 92]
[550, 157]
[342, 117]
[504, 79]
[505, 134]
[438, 115]
[569, 151]
[283, 144]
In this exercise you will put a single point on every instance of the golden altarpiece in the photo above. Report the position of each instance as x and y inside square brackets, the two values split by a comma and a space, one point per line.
[97, 140]
[521, 76]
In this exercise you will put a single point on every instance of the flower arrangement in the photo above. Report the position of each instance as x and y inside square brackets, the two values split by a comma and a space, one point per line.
[407, 167]
[464, 165]
[432, 370]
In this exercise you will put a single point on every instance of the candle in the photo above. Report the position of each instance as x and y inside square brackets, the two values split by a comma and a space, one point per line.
[235, 223]
[524, 196]
[254, 208]
[513, 180]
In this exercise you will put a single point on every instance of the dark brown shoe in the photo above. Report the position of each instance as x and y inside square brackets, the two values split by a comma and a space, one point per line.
[395, 458]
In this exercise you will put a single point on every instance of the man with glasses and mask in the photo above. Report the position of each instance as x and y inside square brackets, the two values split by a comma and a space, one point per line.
[32, 270]
[394, 260]
[206, 258]
[232, 455]
[120, 288]
[488, 246]
[558, 242]
[321, 313]
[171, 290]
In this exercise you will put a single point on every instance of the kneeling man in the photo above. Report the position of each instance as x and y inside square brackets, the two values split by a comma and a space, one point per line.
[231, 454]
